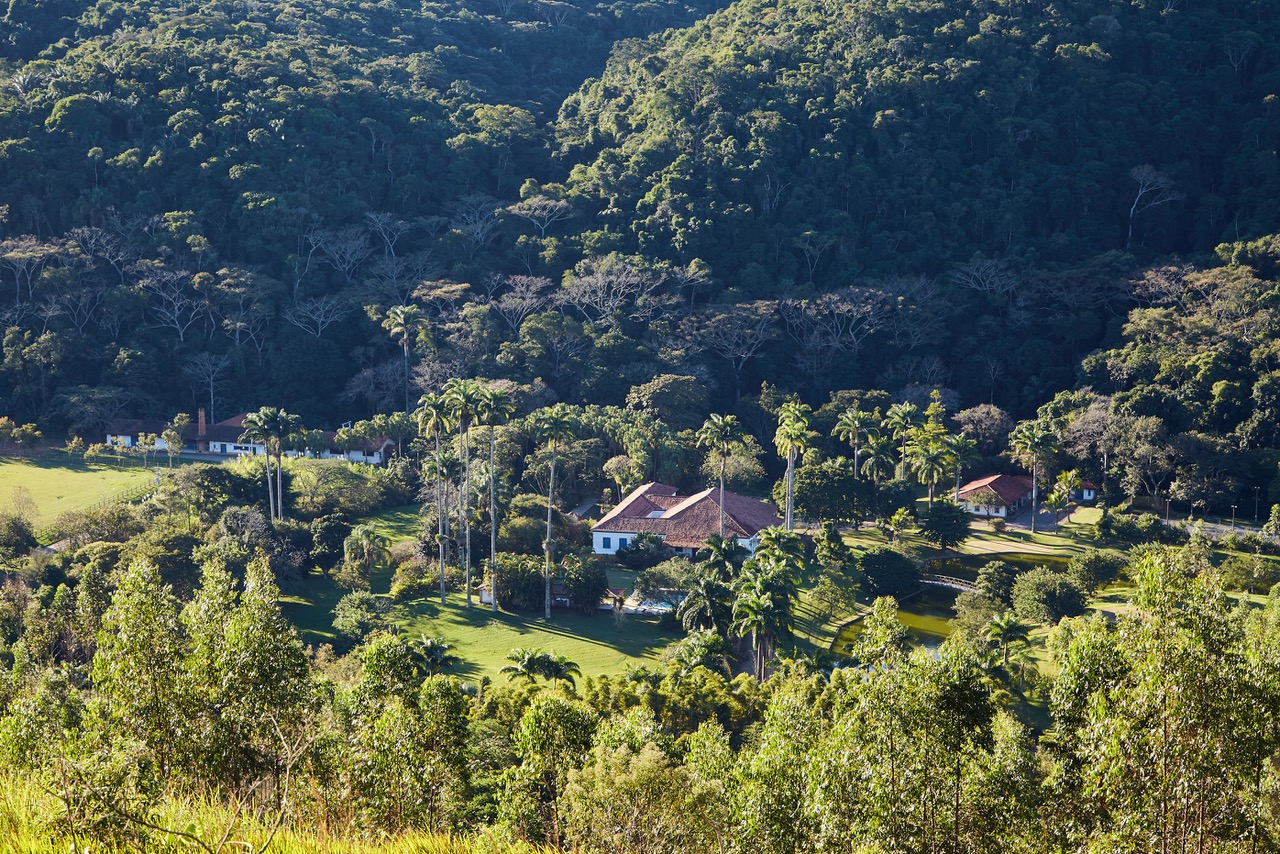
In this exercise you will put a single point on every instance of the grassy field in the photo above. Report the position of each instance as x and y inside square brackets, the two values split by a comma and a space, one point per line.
[403, 523]
[26, 827]
[61, 484]
[598, 643]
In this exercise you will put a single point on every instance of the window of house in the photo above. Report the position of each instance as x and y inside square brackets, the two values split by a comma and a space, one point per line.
[607, 542]
[622, 542]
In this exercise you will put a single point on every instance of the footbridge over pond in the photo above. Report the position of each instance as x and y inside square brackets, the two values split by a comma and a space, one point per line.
[950, 581]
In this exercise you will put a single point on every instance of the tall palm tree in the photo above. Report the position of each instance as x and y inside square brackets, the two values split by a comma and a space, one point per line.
[272, 428]
[463, 397]
[791, 440]
[1006, 629]
[364, 545]
[725, 556]
[257, 431]
[878, 459]
[929, 458]
[899, 421]
[1031, 442]
[722, 434]
[780, 556]
[494, 407]
[762, 612]
[403, 323]
[708, 603]
[525, 664]
[852, 426]
[560, 668]
[433, 421]
[434, 654]
[1059, 499]
[554, 424]
[288, 426]
[963, 452]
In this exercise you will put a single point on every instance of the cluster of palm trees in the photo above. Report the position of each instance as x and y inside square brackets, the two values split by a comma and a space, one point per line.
[528, 664]
[903, 441]
[751, 598]
[272, 428]
[461, 405]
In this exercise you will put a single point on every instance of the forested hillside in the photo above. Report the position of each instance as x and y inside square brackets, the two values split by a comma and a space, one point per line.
[220, 205]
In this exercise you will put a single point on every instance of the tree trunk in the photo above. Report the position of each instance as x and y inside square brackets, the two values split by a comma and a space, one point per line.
[271, 495]
[407, 408]
[493, 522]
[723, 461]
[1035, 484]
[464, 447]
[551, 491]
[440, 516]
[280, 484]
[791, 486]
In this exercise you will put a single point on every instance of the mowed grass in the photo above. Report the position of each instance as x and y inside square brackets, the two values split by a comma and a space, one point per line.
[600, 643]
[403, 523]
[62, 484]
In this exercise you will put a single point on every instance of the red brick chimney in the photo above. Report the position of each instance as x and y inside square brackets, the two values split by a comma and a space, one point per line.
[202, 431]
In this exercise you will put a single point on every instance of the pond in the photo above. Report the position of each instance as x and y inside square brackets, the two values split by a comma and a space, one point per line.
[924, 614]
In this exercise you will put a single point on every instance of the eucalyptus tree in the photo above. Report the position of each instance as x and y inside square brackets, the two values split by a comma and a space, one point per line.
[1031, 442]
[494, 407]
[722, 434]
[403, 323]
[853, 426]
[553, 425]
[433, 421]
[792, 439]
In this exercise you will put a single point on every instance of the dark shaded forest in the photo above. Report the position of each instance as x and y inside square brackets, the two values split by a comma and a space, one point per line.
[219, 205]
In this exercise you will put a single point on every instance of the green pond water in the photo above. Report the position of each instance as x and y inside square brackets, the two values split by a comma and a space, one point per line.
[925, 616]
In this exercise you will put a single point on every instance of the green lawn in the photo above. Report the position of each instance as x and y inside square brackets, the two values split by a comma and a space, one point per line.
[403, 523]
[62, 483]
[599, 643]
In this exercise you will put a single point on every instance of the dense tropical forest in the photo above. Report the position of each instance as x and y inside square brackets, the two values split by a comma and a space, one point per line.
[841, 254]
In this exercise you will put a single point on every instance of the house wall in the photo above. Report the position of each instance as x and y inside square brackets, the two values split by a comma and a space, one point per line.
[616, 540]
[130, 441]
[983, 510]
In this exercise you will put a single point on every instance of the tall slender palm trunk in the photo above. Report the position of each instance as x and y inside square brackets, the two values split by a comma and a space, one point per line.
[465, 446]
[493, 520]
[723, 461]
[440, 515]
[791, 489]
[271, 495]
[551, 491]
[279, 483]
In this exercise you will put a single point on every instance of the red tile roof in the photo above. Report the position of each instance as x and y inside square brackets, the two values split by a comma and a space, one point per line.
[1007, 489]
[687, 521]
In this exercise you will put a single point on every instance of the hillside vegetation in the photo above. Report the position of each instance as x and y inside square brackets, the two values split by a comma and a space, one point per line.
[888, 194]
